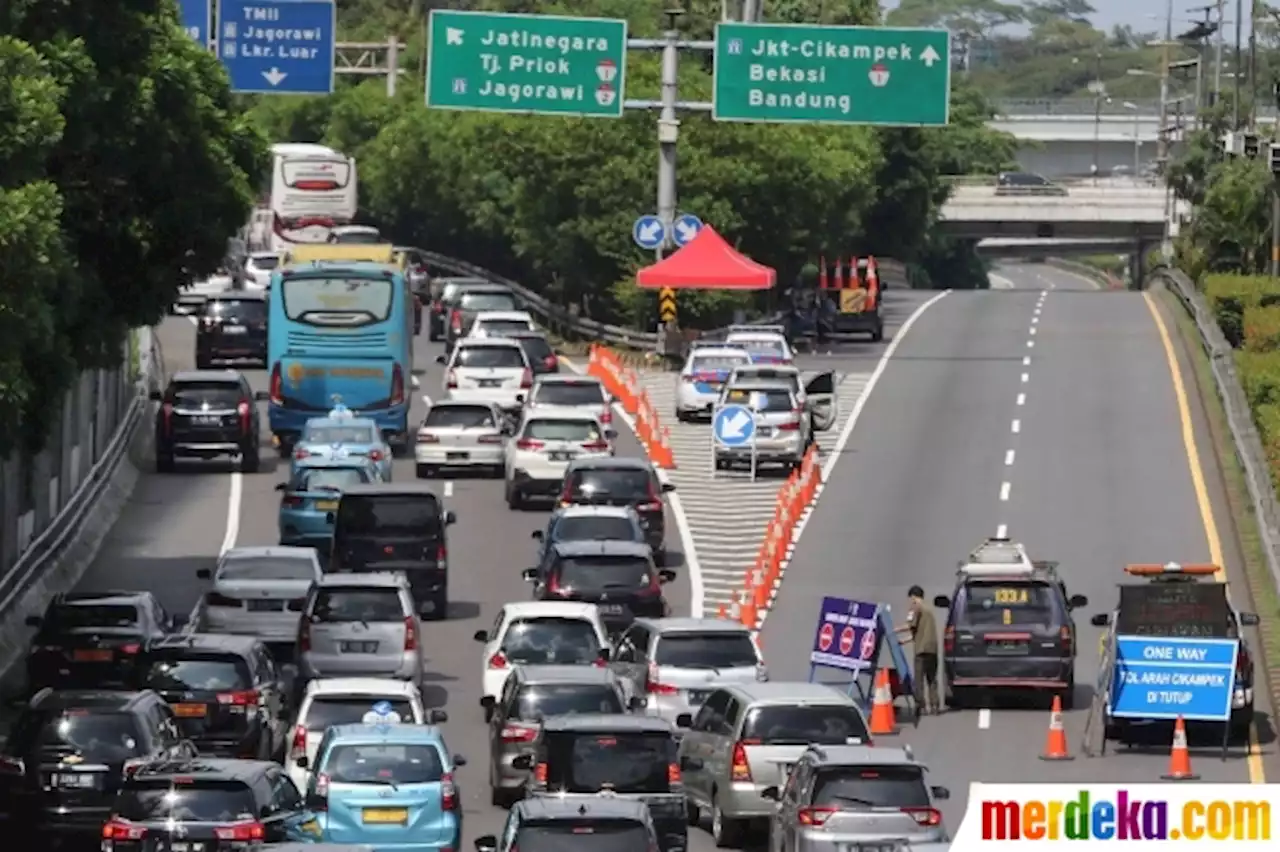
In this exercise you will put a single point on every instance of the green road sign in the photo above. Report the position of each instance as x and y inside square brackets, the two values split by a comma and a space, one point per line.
[526, 63]
[832, 75]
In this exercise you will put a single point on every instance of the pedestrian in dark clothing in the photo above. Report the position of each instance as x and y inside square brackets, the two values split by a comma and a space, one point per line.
[922, 628]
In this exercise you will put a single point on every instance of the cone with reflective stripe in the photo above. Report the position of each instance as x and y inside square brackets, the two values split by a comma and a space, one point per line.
[839, 279]
[883, 723]
[1055, 747]
[1180, 756]
[822, 274]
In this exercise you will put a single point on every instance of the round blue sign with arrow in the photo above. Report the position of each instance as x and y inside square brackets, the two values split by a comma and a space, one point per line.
[734, 425]
[649, 232]
[684, 229]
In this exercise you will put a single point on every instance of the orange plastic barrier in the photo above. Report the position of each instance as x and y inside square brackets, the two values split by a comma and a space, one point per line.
[622, 382]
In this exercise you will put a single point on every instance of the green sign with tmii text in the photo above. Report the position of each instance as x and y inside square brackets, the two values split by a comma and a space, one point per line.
[832, 75]
[526, 63]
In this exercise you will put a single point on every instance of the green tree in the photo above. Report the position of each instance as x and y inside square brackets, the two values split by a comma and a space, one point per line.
[979, 18]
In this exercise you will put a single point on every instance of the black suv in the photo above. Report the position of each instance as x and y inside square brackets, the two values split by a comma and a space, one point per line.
[621, 481]
[576, 758]
[207, 805]
[232, 326]
[93, 639]
[226, 692]
[619, 577]
[69, 752]
[207, 414]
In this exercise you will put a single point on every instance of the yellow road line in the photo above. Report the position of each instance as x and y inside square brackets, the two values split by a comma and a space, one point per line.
[1256, 773]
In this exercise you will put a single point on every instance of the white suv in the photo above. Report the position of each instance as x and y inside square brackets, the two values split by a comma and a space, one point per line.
[544, 445]
[487, 370]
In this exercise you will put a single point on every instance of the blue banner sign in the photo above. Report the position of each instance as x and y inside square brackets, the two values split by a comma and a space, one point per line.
[1159, 678]
[197, 19]
[846, 637]
[278, 46]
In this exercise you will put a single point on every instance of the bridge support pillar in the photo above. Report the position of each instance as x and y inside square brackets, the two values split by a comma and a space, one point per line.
[1138, 266]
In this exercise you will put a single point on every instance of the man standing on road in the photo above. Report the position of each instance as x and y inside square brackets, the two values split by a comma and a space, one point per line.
[922, 628]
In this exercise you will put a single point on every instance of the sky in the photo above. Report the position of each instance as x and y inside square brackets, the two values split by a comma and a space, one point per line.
[1145, 15]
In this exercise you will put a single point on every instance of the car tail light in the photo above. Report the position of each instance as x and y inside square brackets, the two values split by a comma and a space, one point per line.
[653, 687]
[762, 672]
[540, 774]
[451, 380]
[529, 444]
[600, 663]
[1067, 640]
[455, 321]
[131, 648]
[304, 634]
[437, 307]
[815, 817]
[489, 439]
[246, 413]
[690, 379]
[321, 802]
[654, 503]
[299, 747]
[554, 588]
[1243, 662]
[216, 599]
[442, 557]
[794, 425]
[425, 437]
[239, 698]
[949, 639]
[410, 634]
[519, 734]
[606, 416]
[132, 766]
[277, 385]
[12, 766]
[551, 362]
[497, 661]
[375, 455]
[166, 412]
[301, 453]
[448, 793]
[740, 770]
[292, 501]
[397, 385]
[925, 816]
[595, 446]
[526, 379]
[243, 832]
[119, 829]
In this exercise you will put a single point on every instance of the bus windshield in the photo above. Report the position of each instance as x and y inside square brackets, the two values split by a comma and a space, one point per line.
[345, 302]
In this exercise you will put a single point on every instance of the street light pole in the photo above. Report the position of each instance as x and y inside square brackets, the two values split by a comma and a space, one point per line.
[1099, 92]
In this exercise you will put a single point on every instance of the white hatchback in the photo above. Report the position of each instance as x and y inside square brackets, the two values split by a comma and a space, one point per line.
[457, 434]
[544, 445]
[487, 370]
[501, 324]
[540, 633]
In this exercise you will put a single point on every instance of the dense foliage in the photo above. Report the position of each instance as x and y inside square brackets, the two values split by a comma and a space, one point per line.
[123, 168]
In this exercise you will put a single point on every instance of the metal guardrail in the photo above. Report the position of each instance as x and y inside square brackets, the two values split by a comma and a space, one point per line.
[1100, 183]
[1244, 434]
[1147, 107]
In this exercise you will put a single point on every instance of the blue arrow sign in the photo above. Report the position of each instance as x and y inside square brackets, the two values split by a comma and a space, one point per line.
[197, 19]
[1158, 678]
[278, 46]
[685, 229]
[648, 232]
[734, 425]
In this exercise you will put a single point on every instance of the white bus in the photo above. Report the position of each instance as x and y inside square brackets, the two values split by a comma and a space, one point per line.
[313, 189]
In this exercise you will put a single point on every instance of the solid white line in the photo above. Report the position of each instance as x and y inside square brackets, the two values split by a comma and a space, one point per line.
[1004, 492]
[1026, 377]
[1002, 531]
[1026, 361]
[1017, 426]
[448, 488]
[1008, 458]
[233, 512]
[1022, 399]
[984, 719]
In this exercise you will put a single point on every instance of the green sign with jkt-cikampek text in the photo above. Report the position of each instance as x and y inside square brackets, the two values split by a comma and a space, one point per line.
[526, 63]
[832, 75]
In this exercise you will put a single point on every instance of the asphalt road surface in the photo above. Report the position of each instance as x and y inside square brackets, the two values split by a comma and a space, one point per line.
[1047, 412]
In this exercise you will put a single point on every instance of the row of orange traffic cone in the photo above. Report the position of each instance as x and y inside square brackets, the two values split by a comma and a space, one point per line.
[621, 381]
[1055, 747]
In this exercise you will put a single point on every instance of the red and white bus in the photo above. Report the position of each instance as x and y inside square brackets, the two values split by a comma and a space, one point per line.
[313, 189]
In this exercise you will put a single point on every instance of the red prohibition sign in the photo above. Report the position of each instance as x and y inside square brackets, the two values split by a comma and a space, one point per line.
[846, 640]
[868, 644]
[826, 637]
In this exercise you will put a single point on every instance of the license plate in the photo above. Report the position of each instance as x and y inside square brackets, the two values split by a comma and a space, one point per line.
[1007, 648]
[610, 609]
[266, 606]
[457, 456]
[326, 505]
[234, 329]
[867, 847]
[490, 383]
[562, 456]
[190, 711]
[207, 419]
[92, 656]
[697, 696]
[74, 780]
[766, 431]
[178, 846]
[386, 816]
[358, 647]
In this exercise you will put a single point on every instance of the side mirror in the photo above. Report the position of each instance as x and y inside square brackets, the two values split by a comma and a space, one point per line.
[1102, 619]
[523, 761]
[771, 793]
[204, 574]
[691, 764]
[437, 717]
[488, 702]
[481, 636]
[486, 843]
[636, 702]
[440, 359]
[530, 575]
[459, 760]
[666, 575]
[450, 518]
[940, 793]
[302, 762]
[684, 720]
[537, 535]
[1077, 601]
[282, 486]
[317, 803]
[34, 620]
[156, 396]
[603, 655]
[520, 398]
[941, 601]
[668, 487]
[1248, 619]
[261, 396]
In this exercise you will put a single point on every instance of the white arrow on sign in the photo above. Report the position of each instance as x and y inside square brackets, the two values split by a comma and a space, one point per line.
[929, 56]
[651, 231]
[686, 231]
[452, 35]
[733, 427]
[275, 76]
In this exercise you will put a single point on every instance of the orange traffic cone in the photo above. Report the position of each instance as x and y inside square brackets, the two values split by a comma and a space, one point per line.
[1180, 756]
[1055, 747]
[883, 723]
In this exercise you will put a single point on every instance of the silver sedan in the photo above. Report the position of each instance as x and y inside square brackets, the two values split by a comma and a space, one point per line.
[457, 434]
[257, 591]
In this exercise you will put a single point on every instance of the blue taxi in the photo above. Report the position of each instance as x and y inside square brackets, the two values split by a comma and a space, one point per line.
[310, 498]
[343, 434]
[387, 785]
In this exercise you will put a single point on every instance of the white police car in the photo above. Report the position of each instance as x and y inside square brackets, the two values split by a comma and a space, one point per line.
[766, 344]
[703, 375]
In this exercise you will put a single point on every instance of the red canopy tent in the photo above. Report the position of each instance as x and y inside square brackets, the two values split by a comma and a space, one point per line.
[707, 262]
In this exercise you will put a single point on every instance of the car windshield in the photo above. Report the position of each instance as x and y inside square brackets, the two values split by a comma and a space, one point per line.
[389, 764]
[550, 641]
[584, 835]
[539, 701]
[762, 345]
[328, 710]
[460, 417]
[186, 799]
[503, 327]
[563, 430]
[792, 380]
[595, 528]
[622, 761]
[369, 605]
[490, 357]
[75, 616]
[474, 301]
[1003, 604]
[830, 724]
[706, 650]
[268, 568]
[611, 484]
[717, 363]
[248, 310]
[265, 261]
[93, 736]
[568, 393]
[330, 478]
[170, 672]
[602, 573]
[394, 514]
[858, 787]
[331, 434]
[766, 400]
[216, 395]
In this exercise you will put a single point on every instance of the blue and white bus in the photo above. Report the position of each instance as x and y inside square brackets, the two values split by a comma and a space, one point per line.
[340, 328]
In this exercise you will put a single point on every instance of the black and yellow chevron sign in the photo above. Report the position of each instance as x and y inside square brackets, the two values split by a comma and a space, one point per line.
[667, 304]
